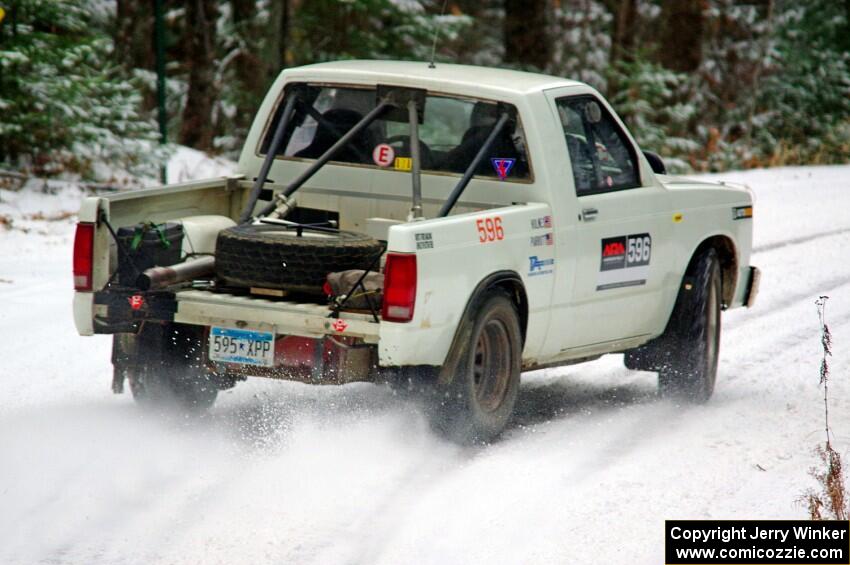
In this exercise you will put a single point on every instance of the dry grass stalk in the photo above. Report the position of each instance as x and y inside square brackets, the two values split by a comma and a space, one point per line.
[831, 502]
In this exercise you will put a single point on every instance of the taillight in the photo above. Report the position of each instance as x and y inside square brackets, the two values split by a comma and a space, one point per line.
[399, 287]
[83, 256]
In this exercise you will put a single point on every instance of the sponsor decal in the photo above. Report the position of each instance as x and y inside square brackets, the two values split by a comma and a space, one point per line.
[542, 240]
[339, 325]
[383, 155]
[502, 166]
[490, 229]
[624, 261]
[403, 163]
[424, 241]
[541, 223]
[742, 212]
[539, 266]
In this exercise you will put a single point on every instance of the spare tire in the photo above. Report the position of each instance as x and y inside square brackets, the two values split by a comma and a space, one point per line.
[282, 257]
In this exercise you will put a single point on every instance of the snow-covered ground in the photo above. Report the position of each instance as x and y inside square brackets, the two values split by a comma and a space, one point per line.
[286, 473]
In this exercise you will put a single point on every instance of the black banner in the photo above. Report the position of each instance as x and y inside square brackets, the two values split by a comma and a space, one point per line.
[757, 542]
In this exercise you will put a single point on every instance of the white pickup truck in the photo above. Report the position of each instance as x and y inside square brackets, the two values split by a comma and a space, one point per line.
[441, 228]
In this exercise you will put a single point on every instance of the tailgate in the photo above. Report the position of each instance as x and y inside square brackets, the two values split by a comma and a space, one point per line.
[201, 307]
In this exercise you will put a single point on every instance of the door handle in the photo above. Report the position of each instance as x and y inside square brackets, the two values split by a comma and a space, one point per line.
[588, 214]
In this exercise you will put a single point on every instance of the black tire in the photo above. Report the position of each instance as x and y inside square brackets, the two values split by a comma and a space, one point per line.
[688, 371]
[271, 256]
[484, 366]
[169, 370]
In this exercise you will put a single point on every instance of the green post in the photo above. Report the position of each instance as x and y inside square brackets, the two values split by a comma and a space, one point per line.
[160, 81]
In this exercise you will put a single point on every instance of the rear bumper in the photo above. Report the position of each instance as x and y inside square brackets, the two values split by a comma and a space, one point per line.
[310, 345]
[752, 287]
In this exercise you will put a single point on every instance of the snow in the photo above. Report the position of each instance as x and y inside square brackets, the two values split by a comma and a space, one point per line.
[591, 467]
[189, 164]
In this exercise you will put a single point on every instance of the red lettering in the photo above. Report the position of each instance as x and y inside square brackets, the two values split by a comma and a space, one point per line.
[615, 248]
[490, 229]
[383, 155]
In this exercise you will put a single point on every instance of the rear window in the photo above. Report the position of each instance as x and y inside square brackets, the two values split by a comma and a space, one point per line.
[452, 132]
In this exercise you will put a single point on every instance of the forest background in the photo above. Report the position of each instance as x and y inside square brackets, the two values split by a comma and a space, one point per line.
[711, 85]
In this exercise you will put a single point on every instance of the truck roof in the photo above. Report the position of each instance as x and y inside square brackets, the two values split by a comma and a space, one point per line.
[416, 73]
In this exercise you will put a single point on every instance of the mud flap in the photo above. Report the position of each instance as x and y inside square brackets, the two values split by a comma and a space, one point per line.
[752, 287]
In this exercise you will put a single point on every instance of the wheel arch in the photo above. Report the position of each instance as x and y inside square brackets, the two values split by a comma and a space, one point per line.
[727, 254]
[505, 281]
[511, 283]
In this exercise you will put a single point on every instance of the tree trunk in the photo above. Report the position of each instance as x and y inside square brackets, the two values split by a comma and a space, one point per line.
[525, 33]
[251, 70]
[133, 38]
[276, 36]
[682, 24]
[623, 37]
[133, 35]
[198, 128]
[847, 26]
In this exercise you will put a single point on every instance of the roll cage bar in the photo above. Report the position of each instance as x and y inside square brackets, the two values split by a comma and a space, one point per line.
[394, 103]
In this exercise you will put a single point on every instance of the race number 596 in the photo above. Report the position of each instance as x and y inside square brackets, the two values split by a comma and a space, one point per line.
[639, 249]
[490, 229]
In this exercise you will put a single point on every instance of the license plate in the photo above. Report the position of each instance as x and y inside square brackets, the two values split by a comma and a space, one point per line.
[248, 347]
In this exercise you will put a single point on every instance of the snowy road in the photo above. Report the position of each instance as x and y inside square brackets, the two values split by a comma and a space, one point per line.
[287, 473]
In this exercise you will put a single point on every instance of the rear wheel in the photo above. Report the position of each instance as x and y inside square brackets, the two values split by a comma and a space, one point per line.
[689, 371]
[169, 369]
[484, 372]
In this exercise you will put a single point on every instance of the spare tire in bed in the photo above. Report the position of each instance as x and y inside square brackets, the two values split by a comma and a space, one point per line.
[283, 257]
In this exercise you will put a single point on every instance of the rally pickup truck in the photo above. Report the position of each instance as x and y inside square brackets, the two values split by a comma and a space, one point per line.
[439, 228]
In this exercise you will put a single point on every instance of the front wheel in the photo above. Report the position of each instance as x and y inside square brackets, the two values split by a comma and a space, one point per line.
[484, 372]
[694, 335]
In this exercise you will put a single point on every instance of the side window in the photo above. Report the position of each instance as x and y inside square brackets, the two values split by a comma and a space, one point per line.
[602, 157]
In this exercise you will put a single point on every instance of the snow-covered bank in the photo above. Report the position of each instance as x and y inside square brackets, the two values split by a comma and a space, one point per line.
[283, 472]
[190, 164]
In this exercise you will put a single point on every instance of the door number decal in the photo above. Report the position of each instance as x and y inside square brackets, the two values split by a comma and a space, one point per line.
[490, 229]
[624, 261]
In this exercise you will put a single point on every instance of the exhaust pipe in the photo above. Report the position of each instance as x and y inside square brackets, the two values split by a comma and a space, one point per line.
[157, 278]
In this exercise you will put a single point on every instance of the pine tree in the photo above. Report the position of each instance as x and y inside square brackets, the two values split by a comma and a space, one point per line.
[64, 106]
[803, 113]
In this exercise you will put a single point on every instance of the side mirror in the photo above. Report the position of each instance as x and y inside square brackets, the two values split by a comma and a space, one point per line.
[655, 162]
